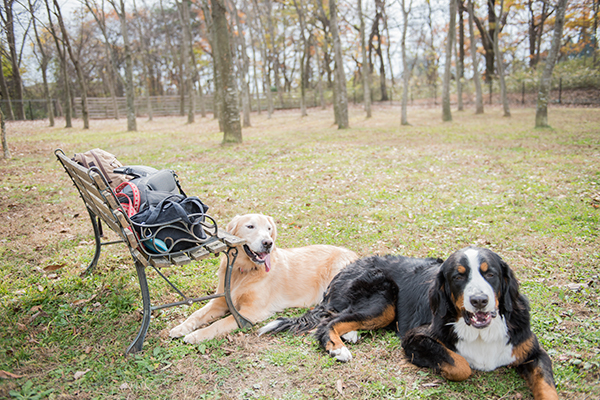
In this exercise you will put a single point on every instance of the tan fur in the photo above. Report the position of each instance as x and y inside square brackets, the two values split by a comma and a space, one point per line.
[298, 278]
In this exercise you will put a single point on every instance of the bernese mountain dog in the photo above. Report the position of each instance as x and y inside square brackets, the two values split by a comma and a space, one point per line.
[452, 316]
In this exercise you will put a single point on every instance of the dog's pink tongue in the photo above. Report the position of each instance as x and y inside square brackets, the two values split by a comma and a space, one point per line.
[267, 262]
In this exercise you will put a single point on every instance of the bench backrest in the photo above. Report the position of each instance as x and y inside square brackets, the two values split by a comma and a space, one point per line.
[99, 198]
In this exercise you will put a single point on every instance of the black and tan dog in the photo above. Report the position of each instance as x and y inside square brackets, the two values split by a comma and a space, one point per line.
[452, 316]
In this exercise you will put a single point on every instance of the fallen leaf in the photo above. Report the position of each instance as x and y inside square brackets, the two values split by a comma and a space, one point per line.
[83, 301]
[88, 349]
[8, 375]
[79, 374]
[124, 386]
[54, 267]
[339, 387]
[40, 313]
[35, 309]
[21, 326]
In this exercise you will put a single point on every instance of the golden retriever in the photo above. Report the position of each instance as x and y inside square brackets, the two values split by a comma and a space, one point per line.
[265, 279]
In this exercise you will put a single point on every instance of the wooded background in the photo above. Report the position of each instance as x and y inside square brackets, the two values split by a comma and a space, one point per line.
[163, 57]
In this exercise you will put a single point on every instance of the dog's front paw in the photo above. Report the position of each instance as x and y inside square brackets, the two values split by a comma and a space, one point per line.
[351, 336]
[179, 331]
[197, 337]
[342, 354]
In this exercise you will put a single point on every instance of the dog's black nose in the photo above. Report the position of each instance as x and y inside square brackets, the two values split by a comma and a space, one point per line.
[267, 243]
[479, 301]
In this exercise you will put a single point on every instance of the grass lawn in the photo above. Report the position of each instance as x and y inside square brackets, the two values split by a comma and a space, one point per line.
[429, 189]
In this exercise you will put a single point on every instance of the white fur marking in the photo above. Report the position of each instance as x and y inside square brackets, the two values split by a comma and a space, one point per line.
[477, 284]
[269, 327]
[351, 337]
[485, 349]
[342, 354]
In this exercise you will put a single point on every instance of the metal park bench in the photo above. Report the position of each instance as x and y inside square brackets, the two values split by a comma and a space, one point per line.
[103, 207]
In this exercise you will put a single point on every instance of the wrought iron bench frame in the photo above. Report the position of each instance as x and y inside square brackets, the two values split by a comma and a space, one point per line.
[103, 206]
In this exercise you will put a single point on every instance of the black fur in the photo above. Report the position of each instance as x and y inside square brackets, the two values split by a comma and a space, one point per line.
[365, 288]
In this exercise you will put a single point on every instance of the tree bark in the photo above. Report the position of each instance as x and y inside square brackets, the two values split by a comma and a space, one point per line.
[129, 85]
[43, 66]
[184, 17]
[63, 66]
[340, 75]
[460, 57]
[78, 69]
[232, 128]
[366, 68]
[500, 63]
[14, 59]
[145, 60]
[244, 68]
[541, 114]
[5, 92]
[446, 111]
[405, 69]
[100, 17]
[300, 11]
[274, 54]
[5, 149]
[265, 58]
[476, 77]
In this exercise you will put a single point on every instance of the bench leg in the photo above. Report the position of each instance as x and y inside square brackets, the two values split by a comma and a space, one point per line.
[241, 321]
[97, 235]
[138, 343]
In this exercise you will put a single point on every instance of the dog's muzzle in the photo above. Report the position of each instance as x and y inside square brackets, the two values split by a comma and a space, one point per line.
[259, 258]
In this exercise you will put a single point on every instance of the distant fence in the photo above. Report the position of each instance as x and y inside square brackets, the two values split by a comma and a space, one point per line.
[520, 94]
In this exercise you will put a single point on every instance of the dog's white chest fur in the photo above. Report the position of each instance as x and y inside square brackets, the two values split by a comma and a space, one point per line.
[484, 349]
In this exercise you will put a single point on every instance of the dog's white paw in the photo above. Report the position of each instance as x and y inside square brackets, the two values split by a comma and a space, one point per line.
[342, 354]
[179, 331]
[269, 327]
[351, 337]
[193, 338]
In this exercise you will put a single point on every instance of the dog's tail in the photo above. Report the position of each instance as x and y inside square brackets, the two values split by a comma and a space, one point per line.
[304, 323]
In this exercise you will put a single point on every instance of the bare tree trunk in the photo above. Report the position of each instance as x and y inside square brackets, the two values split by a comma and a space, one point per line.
[63, 66]
[244, 68]
[405, 70]
[232, 128]
[145, 60]
[78, 69]
[100, 17]
[258, 105]
[43, 65]
[300, 12]
[5, 92]
[10, 38]
[184, 17]
[129, 88]
[265, 57]
[541, 113]
[476, 77]
[366, 67]
[5, 149]
[320, 77]
[500, 63]
[340, 76]
[446, 111]
[460, 57]
[274, 53]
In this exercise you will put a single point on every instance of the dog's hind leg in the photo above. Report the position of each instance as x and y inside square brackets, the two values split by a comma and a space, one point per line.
[346, 323]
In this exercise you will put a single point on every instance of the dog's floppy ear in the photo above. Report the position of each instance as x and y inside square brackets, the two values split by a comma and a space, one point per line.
[232, 226]
[510, 287]
[438, 295]
[273, 228]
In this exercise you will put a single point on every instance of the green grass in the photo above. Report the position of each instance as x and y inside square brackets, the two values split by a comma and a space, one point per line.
[424, 190]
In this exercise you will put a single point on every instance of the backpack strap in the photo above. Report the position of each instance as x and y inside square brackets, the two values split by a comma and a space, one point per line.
[133, 205]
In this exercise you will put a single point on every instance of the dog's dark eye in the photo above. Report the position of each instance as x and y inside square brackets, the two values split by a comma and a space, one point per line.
[250, 226]
[489, 275]
[459, 278]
